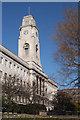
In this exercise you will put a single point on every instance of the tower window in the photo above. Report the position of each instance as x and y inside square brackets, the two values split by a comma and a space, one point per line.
[26, 46]
[36, 48]
[36, 34]
[1, 59]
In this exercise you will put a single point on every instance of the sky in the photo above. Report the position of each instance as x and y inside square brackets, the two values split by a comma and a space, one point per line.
[47, 15]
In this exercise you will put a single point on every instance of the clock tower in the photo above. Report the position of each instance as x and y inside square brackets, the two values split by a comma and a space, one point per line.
[28, 44]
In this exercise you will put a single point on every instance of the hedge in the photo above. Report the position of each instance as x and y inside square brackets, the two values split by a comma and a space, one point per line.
[10, 106]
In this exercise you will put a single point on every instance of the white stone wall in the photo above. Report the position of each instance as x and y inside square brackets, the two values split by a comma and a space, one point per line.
[11, 67]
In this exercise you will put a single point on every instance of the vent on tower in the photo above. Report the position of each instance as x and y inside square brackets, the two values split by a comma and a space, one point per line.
[36, 48]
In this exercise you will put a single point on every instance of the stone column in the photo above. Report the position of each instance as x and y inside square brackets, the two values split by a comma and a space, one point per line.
[3, 62]
[37, 83]
[40, 86]
[31, 78]
[43, 87]
[1, 73]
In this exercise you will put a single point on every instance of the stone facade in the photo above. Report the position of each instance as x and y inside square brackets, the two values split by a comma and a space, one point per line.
[27, 64]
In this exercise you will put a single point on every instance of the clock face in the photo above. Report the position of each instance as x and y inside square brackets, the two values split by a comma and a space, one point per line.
[26, 32]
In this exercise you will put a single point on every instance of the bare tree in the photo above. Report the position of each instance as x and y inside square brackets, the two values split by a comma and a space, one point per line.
[13, 86]
[67, 37]
[9, 88]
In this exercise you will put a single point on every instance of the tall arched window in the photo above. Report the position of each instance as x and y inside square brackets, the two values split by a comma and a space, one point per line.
[26, 48]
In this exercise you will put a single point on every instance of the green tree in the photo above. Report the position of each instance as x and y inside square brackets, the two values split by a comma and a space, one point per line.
[62, 101]
[67, 37]
[77, 106]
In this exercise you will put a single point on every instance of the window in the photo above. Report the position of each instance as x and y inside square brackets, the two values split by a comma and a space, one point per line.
[21, 82]
[5, 77]
[17, 81]
[36, 48]
[23, 99]
[24, 83]
[25, 72]
[21, 69]
[5, 62]
[14, 67]
[33, 83]
[0, 74]
[26, 48]
[9, 76]
[10, 65]
[14, 80]
[36, 34]
[46, 90]
[1, 59]
[19, 98]
[17, 69]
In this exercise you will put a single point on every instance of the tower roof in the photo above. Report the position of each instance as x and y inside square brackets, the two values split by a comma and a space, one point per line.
[28, 21]
[28, 17]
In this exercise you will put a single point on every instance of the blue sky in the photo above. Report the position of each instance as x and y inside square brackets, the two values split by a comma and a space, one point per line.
[46, 15]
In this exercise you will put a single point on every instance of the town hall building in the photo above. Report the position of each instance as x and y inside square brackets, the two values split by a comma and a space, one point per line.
[27, 64]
